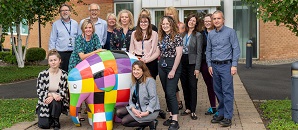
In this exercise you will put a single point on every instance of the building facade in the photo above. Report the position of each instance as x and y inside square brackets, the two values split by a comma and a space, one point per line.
[270, 42]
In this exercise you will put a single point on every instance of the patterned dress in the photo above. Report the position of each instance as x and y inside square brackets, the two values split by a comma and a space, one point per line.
[119, 40]
[82, 46]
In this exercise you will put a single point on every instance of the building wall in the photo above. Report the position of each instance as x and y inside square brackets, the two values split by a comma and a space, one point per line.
[106, 6]
[277, 42]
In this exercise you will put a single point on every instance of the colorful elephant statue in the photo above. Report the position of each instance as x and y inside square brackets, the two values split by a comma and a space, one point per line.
[103, 81]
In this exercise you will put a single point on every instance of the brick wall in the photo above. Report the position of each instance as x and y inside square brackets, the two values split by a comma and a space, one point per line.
[277, 42]
[106, 6]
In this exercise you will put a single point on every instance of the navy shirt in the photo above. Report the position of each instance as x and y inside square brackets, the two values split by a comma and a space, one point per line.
[222, 45]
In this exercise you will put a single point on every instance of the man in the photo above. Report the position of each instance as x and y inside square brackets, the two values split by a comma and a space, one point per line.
[63, 34]
[222, 56]
[101, 26]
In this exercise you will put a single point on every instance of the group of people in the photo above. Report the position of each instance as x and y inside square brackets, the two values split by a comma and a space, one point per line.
[174, 51]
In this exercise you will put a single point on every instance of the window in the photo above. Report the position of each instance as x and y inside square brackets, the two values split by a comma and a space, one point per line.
[24, 29]
[123, 5]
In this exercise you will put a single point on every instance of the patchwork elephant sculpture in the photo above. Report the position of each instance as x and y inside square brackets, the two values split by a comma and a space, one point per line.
[103, 81]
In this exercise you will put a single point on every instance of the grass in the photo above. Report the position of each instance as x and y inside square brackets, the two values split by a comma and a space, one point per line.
[10, 74]
[279, 113]
[16, 110]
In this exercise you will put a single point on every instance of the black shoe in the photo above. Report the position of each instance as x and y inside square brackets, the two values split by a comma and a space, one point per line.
[193, 116]
[162, 114]
[217, 119]
[225, 122]
[184, 113]
[168, 121]
[174, 125]
[210, 111]
[56, 123]
[180, 105]
[153, 124]
[140, 128]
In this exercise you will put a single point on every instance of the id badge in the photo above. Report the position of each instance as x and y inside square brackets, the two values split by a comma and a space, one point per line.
[123, 49]
[70, 42]
[164, 64]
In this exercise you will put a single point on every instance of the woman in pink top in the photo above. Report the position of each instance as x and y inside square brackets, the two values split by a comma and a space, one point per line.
[143, 43]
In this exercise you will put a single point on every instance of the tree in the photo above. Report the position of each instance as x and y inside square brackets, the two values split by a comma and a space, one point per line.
[281, 11]
[13, 12]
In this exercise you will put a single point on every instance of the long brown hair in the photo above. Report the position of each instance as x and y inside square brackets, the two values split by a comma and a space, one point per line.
[139, 33]
[146, 72]
[174, 28]
[196, 29]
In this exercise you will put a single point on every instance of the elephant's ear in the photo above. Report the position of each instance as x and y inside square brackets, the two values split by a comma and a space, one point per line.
[105, 80]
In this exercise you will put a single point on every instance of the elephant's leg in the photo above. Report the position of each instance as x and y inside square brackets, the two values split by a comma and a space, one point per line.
[76, 101]
[104, 120]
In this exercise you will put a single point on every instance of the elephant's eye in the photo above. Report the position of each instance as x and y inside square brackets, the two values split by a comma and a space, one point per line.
[74, 86]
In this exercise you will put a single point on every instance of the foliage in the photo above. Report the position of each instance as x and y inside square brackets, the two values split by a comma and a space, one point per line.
[4, 54]
[19, 74]
[16, 110]
[35, 54]
[10, 59]
[280, 11]
[279, 113]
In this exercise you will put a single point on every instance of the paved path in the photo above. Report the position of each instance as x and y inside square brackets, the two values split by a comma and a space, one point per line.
[245, 116]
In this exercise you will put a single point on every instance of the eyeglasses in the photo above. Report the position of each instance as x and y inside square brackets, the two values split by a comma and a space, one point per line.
[144, 22]
[64, 10]
[94, 10]
[207, 21]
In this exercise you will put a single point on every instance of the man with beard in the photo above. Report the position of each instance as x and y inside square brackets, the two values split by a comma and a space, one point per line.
[101, 26]
[63, 34]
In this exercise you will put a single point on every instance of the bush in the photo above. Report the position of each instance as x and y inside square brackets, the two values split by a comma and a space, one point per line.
[4, 54]
[35, 54]
[11, 59]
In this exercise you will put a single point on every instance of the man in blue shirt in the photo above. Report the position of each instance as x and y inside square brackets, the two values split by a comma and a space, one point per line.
[222, 54]
[63, 34]
[101, 26]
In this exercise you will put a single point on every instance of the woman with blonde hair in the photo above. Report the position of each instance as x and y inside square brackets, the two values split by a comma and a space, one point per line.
[112, 23]
[120, 39]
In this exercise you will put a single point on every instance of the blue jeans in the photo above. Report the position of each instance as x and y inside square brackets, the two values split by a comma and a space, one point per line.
[224, 89]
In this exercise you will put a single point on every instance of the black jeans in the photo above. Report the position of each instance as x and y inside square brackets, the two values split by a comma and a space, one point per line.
[189, 83]
[55, 112]
[169, 85]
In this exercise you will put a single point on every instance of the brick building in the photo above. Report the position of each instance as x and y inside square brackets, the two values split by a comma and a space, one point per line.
[269, 41]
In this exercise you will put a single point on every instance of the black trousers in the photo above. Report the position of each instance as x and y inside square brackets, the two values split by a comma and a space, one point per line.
[65, 56]
[127, 119]
[189, 83]
[169, 85]
[55, 112]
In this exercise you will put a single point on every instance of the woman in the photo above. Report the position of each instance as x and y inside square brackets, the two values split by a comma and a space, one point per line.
[191, 63]
[52, 93]
[143, 106]
[143, 43]
[169, 68]
[120, 39]
[208, 26]
[147, 12]
[86, 45]
[111, 20]
[172, 12]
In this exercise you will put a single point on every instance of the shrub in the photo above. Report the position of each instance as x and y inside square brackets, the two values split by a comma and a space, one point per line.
[4, 54]
[35, 54]
[11, 59]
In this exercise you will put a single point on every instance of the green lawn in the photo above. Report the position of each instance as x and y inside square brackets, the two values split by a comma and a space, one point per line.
[280, 115]
[16, 110]
[10, 74]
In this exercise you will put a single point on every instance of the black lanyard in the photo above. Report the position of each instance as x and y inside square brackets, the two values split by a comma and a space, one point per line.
[69, 31]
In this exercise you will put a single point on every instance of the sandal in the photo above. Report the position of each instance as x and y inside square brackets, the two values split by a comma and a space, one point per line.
[81, 118]
[193, 116]
[180, 105]
[184, 113]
